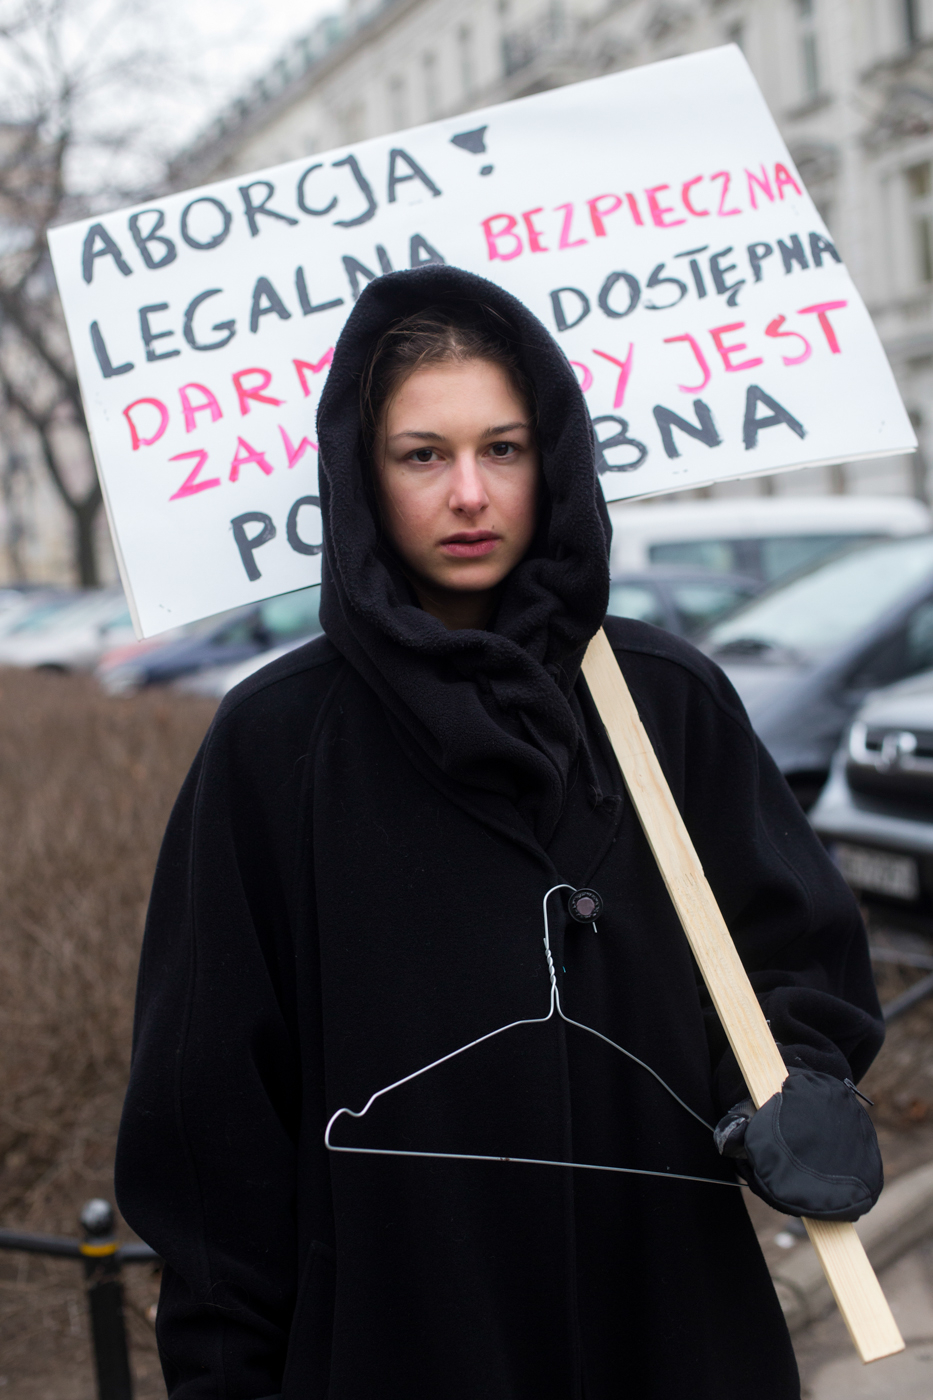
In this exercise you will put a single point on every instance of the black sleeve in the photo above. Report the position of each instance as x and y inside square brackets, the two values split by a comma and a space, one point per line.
[794, 920]
[206, 1157]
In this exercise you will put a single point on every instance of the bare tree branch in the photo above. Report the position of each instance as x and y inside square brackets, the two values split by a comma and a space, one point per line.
[65, 67]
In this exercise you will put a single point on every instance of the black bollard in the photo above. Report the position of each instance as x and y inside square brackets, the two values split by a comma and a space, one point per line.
[105, 1302]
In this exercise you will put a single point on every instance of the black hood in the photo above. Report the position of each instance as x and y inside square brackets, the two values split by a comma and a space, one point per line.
[492, 709]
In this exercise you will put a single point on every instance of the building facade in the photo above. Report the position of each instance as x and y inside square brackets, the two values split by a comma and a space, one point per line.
[850, 83]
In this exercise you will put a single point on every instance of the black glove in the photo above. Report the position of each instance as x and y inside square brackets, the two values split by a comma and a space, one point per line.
[810, 1150]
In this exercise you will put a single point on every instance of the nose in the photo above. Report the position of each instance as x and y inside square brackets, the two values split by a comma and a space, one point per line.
[468, 495]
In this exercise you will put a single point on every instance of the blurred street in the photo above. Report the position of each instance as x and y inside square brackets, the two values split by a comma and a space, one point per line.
[812, 590]
[830, 1371]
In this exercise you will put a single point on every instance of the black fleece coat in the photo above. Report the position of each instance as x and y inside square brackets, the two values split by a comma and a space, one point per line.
[337, 904]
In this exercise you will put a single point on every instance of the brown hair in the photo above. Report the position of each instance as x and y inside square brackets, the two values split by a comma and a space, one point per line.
[438, 335]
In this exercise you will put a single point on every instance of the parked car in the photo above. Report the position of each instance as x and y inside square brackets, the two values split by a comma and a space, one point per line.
[217, 680]
[763, 537]
[875, 814]
[17, 597]
[220, 642]
[67, 634]
[681, 600]
[804, 654]
[18, 604]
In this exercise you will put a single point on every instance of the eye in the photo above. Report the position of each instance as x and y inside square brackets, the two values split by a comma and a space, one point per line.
[503, 449]
[423, 455]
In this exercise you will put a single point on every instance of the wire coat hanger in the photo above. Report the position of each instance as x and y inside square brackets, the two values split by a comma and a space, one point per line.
[555, 1007]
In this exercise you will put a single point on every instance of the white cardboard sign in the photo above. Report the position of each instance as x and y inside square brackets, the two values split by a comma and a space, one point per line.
[652, 219]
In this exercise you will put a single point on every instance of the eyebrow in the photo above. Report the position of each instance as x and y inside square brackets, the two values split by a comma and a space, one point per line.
[413, 432]
[437, 437]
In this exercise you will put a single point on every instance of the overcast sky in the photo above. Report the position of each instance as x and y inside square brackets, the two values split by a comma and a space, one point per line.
[239, 38]
[147, 75]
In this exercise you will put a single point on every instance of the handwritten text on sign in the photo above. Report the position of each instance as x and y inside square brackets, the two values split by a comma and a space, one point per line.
[653, 220]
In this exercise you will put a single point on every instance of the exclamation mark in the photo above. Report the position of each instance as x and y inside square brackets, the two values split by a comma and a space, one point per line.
[475, 143]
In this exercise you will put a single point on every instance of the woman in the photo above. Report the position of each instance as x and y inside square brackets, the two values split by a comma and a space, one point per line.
[351, 889]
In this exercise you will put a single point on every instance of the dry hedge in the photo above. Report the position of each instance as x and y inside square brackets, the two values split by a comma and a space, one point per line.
[86, 786]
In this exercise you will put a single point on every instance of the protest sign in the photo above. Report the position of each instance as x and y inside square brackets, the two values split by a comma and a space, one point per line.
[652, 219]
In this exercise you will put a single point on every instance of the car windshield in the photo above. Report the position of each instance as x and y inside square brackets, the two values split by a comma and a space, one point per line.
[822, 610]
[700, 603]
[117, 624]
[43, 616]
[83, 610]
[788, 554]
[292, 614]
[638, 600]
[768, 557]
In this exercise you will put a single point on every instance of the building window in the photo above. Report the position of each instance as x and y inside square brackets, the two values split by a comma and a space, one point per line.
[431, 94]
[920, 192]
[467, 75]
[502, 7]
[351, 123]
[398, 104]
[809, 52]
[911, 22]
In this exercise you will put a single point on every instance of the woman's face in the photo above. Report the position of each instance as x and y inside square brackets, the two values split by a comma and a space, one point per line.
[457, 472]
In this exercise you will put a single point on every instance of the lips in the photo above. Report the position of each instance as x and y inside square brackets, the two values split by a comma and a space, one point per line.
[470, 544]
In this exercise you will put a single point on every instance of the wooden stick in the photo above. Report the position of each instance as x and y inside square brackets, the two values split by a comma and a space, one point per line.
[844, 1261]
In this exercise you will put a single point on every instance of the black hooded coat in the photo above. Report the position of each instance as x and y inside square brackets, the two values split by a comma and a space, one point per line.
[351, 887]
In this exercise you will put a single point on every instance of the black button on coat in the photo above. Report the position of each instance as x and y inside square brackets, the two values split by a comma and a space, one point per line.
[342, 899]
